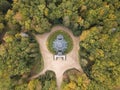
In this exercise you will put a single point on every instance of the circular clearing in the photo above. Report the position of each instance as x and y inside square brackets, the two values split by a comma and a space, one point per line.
[67, 38]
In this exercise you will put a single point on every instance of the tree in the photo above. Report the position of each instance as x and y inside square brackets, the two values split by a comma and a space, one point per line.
[101, 51]
[33, 84]
[17, 56]
[1, 27]
[4, 6]
[74, 80]
[48, 81]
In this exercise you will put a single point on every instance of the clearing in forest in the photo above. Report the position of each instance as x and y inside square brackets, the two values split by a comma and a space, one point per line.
[58, 66]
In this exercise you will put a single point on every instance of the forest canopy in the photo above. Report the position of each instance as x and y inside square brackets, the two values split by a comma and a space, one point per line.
[40, 15]
[96, 22]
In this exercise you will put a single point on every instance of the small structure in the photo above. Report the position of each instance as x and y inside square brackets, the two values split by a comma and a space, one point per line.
[59, 45]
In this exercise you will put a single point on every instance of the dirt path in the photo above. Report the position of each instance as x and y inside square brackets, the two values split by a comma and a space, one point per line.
[59, 66]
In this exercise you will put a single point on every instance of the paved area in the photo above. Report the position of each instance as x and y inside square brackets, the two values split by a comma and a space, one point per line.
[59, 66]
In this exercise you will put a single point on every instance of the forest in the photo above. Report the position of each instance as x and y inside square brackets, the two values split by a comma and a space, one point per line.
[96, 22]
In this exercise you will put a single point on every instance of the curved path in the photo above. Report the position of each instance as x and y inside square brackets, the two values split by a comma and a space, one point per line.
[58, 66]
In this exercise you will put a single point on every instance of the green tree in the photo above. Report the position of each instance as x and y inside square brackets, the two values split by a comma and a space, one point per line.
[74, 80]
[101, 51]
[17, 57]
[4, 6]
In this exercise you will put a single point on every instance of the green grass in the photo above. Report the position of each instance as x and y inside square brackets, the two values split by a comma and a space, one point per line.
[53, 36]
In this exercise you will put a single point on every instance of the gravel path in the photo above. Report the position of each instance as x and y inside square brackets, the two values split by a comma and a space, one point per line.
[58, 66]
